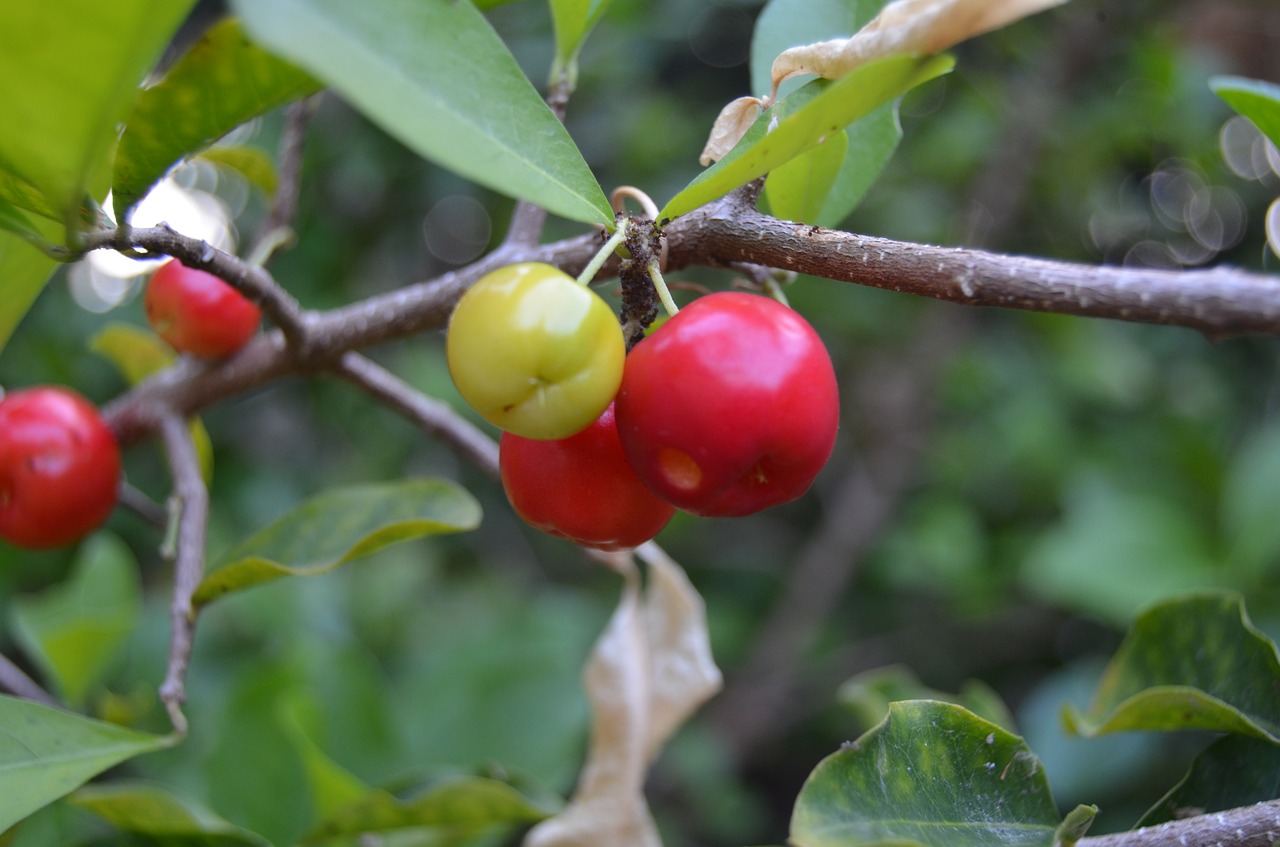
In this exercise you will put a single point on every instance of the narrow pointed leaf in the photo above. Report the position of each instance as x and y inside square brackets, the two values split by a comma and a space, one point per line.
[155, 816]
[46, 753]
[76, 629]
[1233, 772]
[1257, 100]
[1192, 663]
[339, 526]
[573, 21]
[801, 121]
[61, 115]
[435, 75]
[222, 81]
[931, 774]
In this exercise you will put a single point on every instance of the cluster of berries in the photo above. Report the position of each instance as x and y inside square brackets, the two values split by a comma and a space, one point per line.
[60, 463]
[727, 408]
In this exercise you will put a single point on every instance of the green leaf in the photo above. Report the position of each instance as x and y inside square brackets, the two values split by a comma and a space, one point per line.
[868, 695]
[573, 21]
[798, 189]
[1233, 772]
[1257, 100]
[70, 71]
[23, 272]
[1196, 662]
[460, 804]
[13, 220]
[76, 630]
[930, 774]
[222, 81]
[802, 120]
[333, 787]
[435, 75]
[156, 816]
[23, 195]
[46, 753]
[1075, 825]
[339, 526]
[252, 163]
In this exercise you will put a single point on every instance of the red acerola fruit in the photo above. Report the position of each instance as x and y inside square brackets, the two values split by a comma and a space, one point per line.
[59, 467]
[730, 407]
[581, 488]
[198, 313]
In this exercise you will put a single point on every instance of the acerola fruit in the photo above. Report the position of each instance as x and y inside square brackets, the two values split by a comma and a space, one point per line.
[581, 488]
[59, 467]
[730, 407]
[198, 313]
[534, 352]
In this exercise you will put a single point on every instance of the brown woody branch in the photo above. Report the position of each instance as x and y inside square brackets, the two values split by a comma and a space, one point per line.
[1248, 826]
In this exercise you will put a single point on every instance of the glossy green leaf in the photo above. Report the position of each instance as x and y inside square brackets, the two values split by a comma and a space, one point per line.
[798, 189]
[1233, 772]
[138, 353]
[70, 72]
[1196, 662]
[154, 816]
[868, 695]
[333, 788]
[930, 774]
[573, 21]
[14, 220]
[461, 805]
[802, 120]
[23, 195]
[221, 81]
[1075, 825]
[252, 163]
[75, 630]
[1257, 100]
[339, 526]
[23, 272]
[435, 75]
[46, 753]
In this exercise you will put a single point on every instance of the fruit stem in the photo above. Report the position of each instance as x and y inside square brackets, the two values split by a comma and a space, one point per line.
[602, 256]
[774, 290]
[660, 285]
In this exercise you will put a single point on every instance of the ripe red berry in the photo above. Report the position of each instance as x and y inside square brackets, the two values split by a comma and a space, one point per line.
[581, 488]
[59, 467]
[198, 313]
[730, 407]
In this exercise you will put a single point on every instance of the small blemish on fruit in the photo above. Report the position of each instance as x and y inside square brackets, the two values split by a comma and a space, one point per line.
[679, 468]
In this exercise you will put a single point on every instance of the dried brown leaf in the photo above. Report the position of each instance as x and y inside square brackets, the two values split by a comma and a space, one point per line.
[904, 27]
[650, 669]
[732, 123]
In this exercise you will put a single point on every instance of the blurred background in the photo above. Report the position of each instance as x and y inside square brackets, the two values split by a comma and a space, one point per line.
[1008, 489]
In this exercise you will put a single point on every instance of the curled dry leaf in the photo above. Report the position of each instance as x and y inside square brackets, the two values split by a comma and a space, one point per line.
[904, 27]
[732, 123]
[649, 671]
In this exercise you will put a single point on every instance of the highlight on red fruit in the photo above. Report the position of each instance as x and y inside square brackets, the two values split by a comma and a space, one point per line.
[581, 488]
[730, 407]
[199, 313]
[59, 467]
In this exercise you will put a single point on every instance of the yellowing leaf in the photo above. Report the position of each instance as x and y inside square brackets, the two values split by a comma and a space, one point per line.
[904, 27]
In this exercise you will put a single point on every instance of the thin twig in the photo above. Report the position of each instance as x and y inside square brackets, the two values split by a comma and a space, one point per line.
[143, 506]
[191, 501]
[436, 418]
[284, 205]
[1247, 826]
[13, 680]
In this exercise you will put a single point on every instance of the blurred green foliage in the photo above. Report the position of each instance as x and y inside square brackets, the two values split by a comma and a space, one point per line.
[1041, 478]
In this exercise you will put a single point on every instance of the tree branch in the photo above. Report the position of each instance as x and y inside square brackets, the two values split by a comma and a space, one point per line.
[436, 418]
[1248, 826]
[191, 503]
[284, 206]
